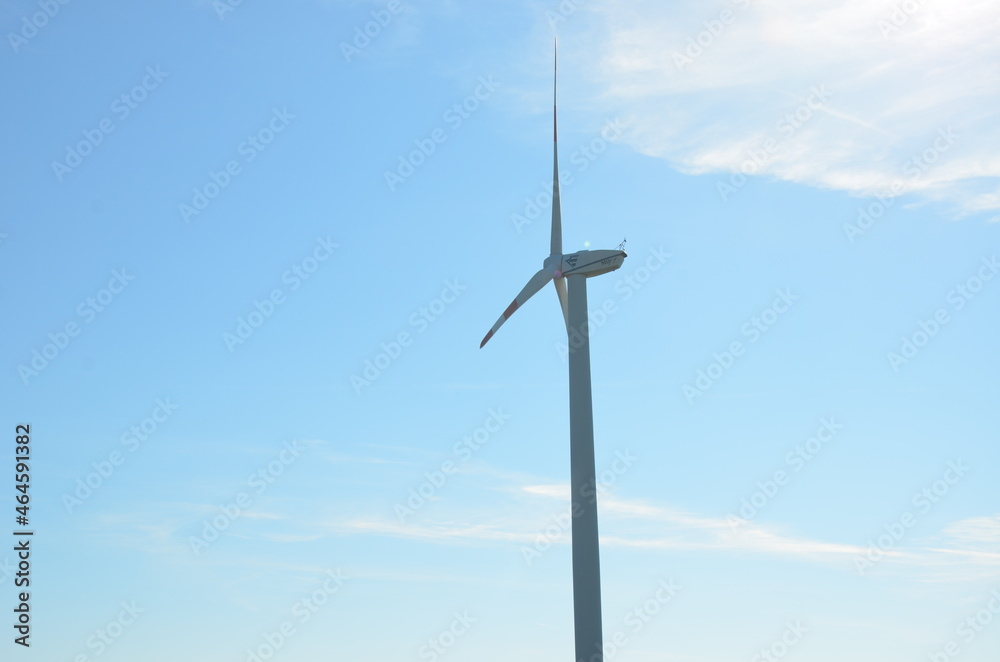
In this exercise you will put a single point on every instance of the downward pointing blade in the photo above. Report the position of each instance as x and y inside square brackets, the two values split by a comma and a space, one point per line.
[536, 283]
[560, 284]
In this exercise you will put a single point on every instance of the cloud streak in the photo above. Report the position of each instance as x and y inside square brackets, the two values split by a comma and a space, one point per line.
[968, 549]
[703, 89]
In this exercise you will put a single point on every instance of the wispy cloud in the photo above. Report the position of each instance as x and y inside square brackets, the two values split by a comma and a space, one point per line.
[661, 527]
[706, 93]
[963, 551]
[514, 509]
[982, 533]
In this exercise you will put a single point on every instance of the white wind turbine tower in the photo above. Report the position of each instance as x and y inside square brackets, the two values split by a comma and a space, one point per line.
[576, 268]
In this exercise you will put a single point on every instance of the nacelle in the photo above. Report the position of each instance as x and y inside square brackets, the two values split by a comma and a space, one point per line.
[592, 263]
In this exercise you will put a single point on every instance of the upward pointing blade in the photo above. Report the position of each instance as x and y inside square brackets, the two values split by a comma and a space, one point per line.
[556, 211]
[536, 283]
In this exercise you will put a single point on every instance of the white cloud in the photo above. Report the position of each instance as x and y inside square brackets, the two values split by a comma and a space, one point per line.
[980, 533]
[892, 83]
[625, 523]
[967, 550]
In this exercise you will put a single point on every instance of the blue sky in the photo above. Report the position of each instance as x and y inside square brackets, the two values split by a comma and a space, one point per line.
[249, 253]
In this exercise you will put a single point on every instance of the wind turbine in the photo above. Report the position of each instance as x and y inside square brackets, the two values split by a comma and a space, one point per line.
[575, 269]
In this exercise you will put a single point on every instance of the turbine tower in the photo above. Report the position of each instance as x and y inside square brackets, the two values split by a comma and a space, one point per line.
[575, 269]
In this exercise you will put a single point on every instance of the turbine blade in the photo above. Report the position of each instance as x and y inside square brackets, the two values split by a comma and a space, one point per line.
[560, 284]
[536, 283]
[556, 248]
